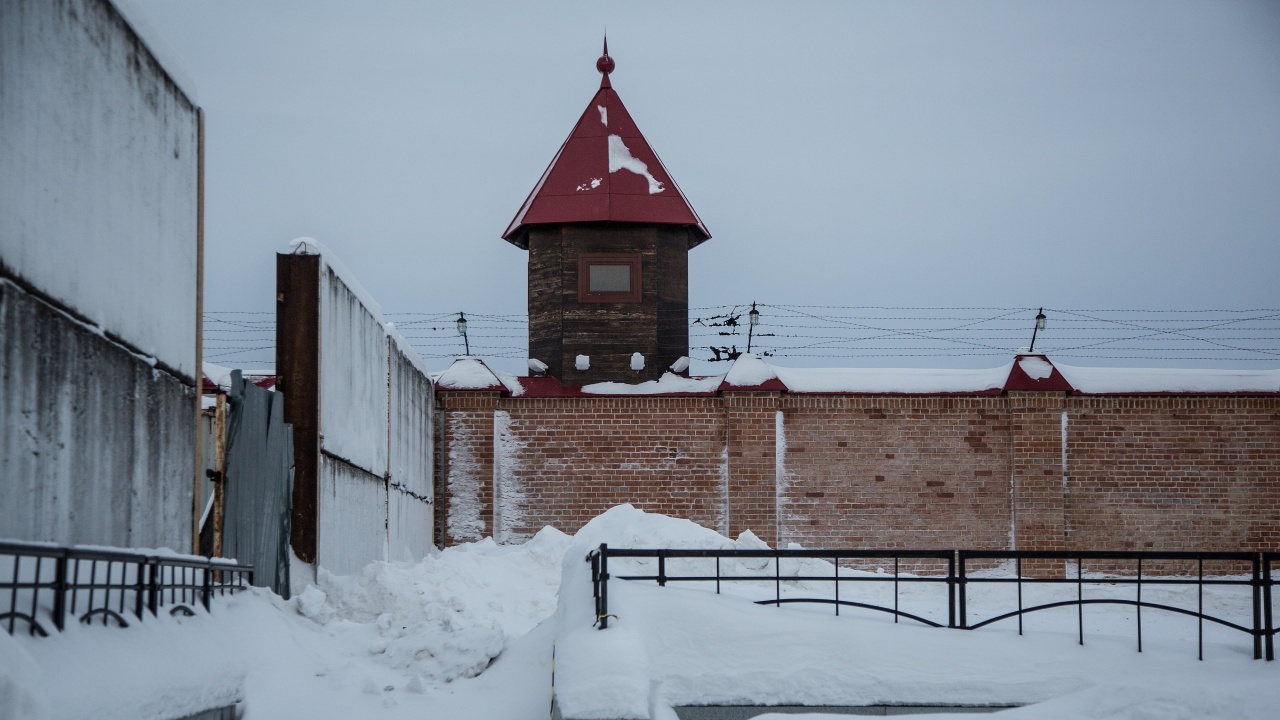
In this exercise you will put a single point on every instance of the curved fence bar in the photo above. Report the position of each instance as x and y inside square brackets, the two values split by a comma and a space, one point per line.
[1254, 571]
[98, 584]
[943, 559]
[1113, 561]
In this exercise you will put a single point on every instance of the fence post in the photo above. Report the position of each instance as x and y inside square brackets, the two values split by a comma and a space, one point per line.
[139, 588]
[60, 591]
[1257, 606]
[153, 585]
[207, 591]
[952, 581]
[604, 586]
[662, 569]
[1266, 606]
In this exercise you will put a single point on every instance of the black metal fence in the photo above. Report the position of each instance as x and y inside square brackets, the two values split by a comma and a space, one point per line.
[1047, 568]
[44, 581]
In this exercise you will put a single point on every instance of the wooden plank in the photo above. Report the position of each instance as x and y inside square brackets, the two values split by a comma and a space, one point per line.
[298, 378]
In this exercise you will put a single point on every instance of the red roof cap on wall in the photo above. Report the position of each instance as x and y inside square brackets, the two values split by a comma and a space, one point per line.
[605, 171]
[1036, 372]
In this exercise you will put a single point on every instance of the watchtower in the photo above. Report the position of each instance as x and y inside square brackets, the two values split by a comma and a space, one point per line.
[608, 234]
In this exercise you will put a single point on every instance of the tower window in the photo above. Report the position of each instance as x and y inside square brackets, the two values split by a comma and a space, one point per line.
[609, 277]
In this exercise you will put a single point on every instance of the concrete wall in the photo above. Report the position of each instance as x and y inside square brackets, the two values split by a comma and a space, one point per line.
[98, 188]
[96, 446]
[98, 263]
[362, 410]
[906, 471]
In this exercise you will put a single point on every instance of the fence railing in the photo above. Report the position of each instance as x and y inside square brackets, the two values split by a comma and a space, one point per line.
[53, 583]
[1049, 568]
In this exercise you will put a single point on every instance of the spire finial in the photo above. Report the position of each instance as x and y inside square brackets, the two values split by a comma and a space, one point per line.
[605, 64]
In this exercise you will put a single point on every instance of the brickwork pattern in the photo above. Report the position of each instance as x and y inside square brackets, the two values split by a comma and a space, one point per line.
[1158, 472]
[1035, 427]
[466, 507]
[581, 456]
[751, 419]
[896, 472]
[1174, 473]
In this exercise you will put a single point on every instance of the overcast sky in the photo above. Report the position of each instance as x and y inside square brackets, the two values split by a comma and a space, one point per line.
[948, 154]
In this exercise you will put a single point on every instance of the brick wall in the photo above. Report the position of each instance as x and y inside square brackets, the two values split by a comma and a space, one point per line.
[918, 471]
[562, 461]
[904, 472]
[1173, 472]
[466, 510]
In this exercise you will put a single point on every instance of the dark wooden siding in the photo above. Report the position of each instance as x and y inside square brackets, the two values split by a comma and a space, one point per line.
[561, 327]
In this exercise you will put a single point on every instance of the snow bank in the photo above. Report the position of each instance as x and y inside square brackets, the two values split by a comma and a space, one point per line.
[675, 646]
[457, 636]
[448, 616]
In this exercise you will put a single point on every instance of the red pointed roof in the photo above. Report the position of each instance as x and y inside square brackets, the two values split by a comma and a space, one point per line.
[605, 171]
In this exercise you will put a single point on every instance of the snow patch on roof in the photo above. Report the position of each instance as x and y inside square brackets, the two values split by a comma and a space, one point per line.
[1036, 368]
[1174, 380]
[470, 373]
[620, 158]
[604, 115]
[749, 371]
[667, 384]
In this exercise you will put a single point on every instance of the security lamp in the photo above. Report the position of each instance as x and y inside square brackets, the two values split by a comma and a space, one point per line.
[753, 318]
[462, 330]
[1040, 323]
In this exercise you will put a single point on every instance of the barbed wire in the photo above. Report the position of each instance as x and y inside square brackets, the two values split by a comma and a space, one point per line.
[1243, 338]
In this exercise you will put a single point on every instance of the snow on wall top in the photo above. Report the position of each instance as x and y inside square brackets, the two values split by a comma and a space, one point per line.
[892, 380]
[160, 50]
[1028, 372]
[666, 385]
[311, 246]
[605, 171]
[1169, 380]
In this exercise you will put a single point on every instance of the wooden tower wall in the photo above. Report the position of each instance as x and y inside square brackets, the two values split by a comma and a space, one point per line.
[561, 327]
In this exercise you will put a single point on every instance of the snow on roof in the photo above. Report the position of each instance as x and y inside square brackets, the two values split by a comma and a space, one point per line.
[1100, 380]
[220, 376]
[749, 371]
[470, 373]
[892, 380]
[605, 171]
[1027, 372]
[667, 384]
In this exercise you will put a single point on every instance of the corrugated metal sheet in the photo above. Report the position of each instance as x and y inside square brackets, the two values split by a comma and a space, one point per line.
[259, 483]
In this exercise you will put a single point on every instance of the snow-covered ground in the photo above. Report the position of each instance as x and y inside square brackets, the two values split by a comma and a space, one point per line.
[470, 632]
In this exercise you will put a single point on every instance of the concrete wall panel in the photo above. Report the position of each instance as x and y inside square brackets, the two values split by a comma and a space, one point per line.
[96, 446]
[98, 189]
